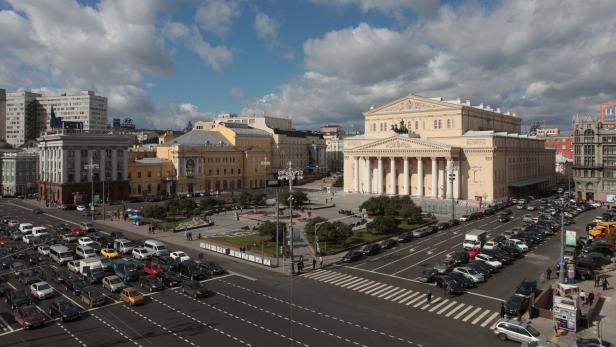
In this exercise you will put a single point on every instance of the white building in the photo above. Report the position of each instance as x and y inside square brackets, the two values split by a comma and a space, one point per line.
[64, 172]
[18, 172]
[28, 114]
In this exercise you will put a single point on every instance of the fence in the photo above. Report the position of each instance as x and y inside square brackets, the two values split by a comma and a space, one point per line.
[236, 254]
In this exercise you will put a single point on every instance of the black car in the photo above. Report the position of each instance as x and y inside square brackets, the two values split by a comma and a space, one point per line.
[463, 280]
[580, 342]
[151, 283]
[459, 257]
[526, 288]
[352, 256]
[64, 310]
[516, 305]
[452, 286]
[503, 218]
[388, 243]
[54, 273]
[482, 267]
[488, 211]
[453, 222]
[596, 257]
[74, 284]
[190, 270]
[405, 237]
[92, 297]
[442, 226]
[502, 256]
[17, 298]
[37, 211]
[427, 276]
[171, 279]
[28, 277]
[372, 249]
[513, 251]
[195, 289]
[584, 273]
[212, 268]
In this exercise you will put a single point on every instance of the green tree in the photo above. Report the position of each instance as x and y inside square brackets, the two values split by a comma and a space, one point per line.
[269, 229]
[299, 198]
[309, 228]
[338, 232]
[155, 211]
[244, 199]
[187, 206]
[172, 205]
[383, 224]
[257, 198]
[210, 203]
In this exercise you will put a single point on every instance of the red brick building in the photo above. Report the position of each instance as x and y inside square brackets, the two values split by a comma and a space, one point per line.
[563, 145]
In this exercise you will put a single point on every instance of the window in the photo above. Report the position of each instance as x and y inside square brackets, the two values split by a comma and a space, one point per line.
[138, 174]
[450, 124]
[416, 125]
[435, 124]
[149, 174]
[238, 172]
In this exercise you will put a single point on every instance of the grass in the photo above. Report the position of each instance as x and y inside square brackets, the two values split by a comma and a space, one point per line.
[251, 240]
[404, 226]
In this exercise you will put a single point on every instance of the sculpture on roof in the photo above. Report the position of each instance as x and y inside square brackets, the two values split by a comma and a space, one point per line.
[402, 129]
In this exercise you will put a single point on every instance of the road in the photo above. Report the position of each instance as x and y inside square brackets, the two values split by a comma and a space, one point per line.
[372, 303]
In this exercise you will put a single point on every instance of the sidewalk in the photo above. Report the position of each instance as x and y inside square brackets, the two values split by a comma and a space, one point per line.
[603, 322]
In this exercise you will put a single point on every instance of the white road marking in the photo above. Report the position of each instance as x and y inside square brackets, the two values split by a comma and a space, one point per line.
[354, 285]
[417, 299]
[417, 263]
[381, 290]
[435, 307]
[8, 327]
[323, 274]
[470, 315]
[388, 292]
[394, 294]
[369, 283]
[462, 312]
[432, 302]
[446, 307]
[487, 321]
[397, 260]
[483, 314]
[349, 283]
[342, 279]
[313, 273]
[402, 296]
[346, 280]
[373, 285]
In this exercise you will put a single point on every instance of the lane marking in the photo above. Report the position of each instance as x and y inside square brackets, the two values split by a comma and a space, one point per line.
[389, 292]
[487, 321]
[462, 312]
[417, 263]
[471, 314]
[397, 260]
[380, 290]
[350, 282]
[394, 294]
[483, 314]
[384, 285]
[242, 275]
[434, 308]
[446, 307]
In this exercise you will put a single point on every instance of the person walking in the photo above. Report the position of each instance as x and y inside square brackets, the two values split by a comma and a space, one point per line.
[591, 298]
[597, 280]
[429, 297]
[605, 284]
[548, 273]
[314, 263]
[321, 262]
[502, 310]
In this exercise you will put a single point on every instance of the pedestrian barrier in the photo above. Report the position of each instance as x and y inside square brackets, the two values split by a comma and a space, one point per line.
[236, 254]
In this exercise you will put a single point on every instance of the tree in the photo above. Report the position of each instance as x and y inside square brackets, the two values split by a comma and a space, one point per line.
[244, 199]
[339, 232]
[383, 224]
[210, 203]
[269, 228]
[299, 198]
[309, 228]
[172, 205]
[155, 211]
[257, 198]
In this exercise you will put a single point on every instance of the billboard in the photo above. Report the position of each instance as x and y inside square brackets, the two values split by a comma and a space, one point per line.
[611, 198]
[607, 112]
[570, 238]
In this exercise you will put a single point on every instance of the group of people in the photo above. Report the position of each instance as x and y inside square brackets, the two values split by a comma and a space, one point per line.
[189, 236]
[601, 281]
[300, 263]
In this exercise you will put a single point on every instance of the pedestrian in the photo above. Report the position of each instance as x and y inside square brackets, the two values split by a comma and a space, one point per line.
[321, 262]
[556, 328]
[429, 297]
[502, 310]
[548, 272]
[314, 263]
[445, 289]
[199, 237]
[591, 298]
[597, 280]
[605, 284]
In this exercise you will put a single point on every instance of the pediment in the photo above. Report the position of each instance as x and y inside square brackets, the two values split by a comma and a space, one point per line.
[411, 103]
[401, 143]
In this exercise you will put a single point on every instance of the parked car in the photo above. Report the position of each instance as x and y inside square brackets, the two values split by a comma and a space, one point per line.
[54, 273]
[486, 258]
[171, 279]
[113, 283]
[466, 282]
[17, 298]
[511, 329]
[28, 277]
[28, 316]
[132, 296]
[442, 226]
[581, 342]
[491, 245]
[152, 268]
[42, 290]
[526, 288]
[142, 253]
[64, 310]
[465, 218]
[459, 257]
[372, 249]
[74, 284]
[405, 237]
[453, 222]
[179, 256]
[352, 256]
[470, 273]
[195, 289]
[92, 297]
[444, 266]
[151, 283]
[452, 286]
[212, 268]
[109, 253]
[388, 243]
[427, 276]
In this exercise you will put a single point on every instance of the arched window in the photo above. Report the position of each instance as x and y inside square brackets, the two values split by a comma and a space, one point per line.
[190, 167]
[139, 189]
[589, 186]
[588, 132]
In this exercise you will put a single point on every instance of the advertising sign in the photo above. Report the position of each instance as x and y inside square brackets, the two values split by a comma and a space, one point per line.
[570, 238]
[608, 112]
[611, 198]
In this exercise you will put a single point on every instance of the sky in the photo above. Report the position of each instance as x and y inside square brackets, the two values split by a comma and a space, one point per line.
[165, 62]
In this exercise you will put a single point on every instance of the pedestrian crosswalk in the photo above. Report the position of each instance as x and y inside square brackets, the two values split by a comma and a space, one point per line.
[445, 307]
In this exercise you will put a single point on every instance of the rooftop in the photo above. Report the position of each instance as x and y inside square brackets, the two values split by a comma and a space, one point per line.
[243, 129]
[151, 161]
[199, 138]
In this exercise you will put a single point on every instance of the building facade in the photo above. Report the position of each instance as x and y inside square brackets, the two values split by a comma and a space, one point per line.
[548, 132]
[412, 144]
[147, 176]
[563, 146]
[19, 172]
[21, 120]
[74, 163]
[334, 146]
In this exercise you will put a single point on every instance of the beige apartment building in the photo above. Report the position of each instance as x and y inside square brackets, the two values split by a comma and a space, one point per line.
[413, 145]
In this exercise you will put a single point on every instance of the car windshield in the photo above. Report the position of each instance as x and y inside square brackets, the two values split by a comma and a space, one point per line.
[43, 286]
[19, 294]
[533, 331]
[29, 311]
[133, 293]
[115, 280]
[473, 272]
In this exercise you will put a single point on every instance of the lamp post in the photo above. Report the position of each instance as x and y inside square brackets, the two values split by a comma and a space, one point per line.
[91, 166]
[452, 178]
[290, 174]
[265, 163]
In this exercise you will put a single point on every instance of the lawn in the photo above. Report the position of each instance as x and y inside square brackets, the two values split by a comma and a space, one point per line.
[251, 240]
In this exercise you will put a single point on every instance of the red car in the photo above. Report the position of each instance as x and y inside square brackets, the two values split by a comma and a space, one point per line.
[472, 253]
[29, 316]
[77, 231]
[152, 268]
[2, 242]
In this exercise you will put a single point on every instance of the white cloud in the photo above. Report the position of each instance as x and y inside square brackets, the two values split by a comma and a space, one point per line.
[217, 16]
[525, 56]
[236, 93]
[266, 27]
[178, 115]
[395, 7]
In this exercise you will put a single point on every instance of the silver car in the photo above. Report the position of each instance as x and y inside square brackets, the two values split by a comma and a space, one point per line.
[515, 330]
[470, 273]
[113, 283]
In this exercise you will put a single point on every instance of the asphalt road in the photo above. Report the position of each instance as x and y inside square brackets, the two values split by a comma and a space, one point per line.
[377, 302]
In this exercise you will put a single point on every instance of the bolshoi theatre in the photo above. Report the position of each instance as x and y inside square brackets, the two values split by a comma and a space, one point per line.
[443, 149]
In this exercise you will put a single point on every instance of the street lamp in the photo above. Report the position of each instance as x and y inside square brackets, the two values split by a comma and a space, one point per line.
[290, 174]
[91, 166]
[265, 163]
[452, 178]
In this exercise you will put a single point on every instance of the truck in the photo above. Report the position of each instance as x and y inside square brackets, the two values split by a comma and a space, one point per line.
[475, 238]
[91, 269]
[125, 269]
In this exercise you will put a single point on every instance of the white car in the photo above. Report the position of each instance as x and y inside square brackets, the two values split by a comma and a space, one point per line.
[81, 208]
[520, 206]
[491, 245]
[464, 218]
[489, 260]
[519, 244]
[84, 241]
[28, 238]
[530, 208]
[73, 266]
[13, 223]
[113, 283]
[43, 249]
[142, 253]
[42, 290]
[179, 256]
[595, 204]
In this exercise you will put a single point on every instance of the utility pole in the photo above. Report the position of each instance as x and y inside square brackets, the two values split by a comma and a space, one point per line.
[452, 178]
[265, 163]
[290, 174]
[277, 228]
[91, 166]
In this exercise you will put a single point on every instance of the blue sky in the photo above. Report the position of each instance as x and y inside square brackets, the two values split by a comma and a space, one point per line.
[164, 62]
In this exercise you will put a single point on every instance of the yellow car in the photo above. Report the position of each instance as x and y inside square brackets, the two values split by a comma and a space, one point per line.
[109, 253]
[131, 296]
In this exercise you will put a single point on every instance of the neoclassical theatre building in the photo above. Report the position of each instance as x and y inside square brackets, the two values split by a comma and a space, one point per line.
[432, 148]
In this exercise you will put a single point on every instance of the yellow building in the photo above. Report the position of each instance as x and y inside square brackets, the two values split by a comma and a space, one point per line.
[146, 176]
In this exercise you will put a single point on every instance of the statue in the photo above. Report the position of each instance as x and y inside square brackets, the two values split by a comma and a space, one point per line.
[402, 129]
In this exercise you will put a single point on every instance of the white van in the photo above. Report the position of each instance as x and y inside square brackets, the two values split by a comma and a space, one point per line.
[25, 228]
[60, 254]
[39, 231]
[156, 247]
[85, 252]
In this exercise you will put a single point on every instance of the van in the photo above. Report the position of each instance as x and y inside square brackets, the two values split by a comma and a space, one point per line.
[60, 254]
[39, 231]
[123, 246]
[86, 226]
[85, 251]
[25, 228]
[156, 247]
